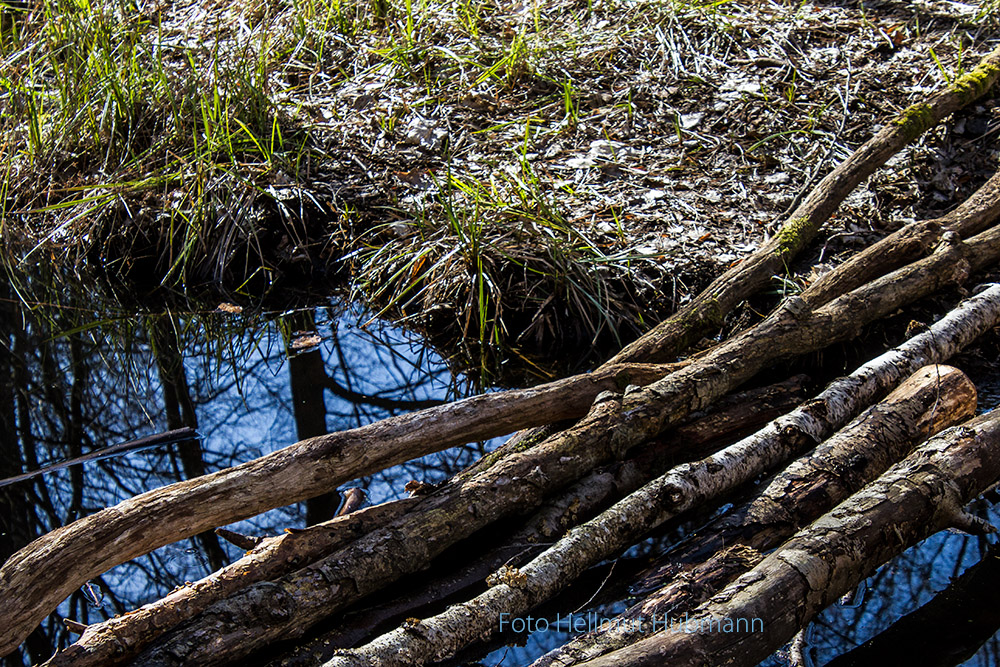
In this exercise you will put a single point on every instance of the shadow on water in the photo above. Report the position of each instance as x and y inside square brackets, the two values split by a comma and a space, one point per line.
[83, 370]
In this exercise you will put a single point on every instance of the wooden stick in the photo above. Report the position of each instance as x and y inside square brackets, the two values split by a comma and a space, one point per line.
[917, 497]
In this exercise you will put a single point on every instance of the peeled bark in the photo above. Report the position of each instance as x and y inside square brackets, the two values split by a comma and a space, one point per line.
[921, 405]
[73, 554]
[932, 399]
[915, 498]
[285, 609]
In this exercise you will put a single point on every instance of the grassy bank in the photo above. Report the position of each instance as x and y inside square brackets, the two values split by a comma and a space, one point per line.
[516, 176]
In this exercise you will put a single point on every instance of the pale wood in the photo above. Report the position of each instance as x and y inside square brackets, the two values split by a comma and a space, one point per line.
[914, 499]
[687, 575]
[931, 399]
[287, 608]
[38, 577]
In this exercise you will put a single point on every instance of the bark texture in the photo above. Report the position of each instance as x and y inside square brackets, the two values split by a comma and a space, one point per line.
[707, 310]
[287, 608]
[120, 638]
[38, 577]
[931, 398]
[915, 498]
[583, 499]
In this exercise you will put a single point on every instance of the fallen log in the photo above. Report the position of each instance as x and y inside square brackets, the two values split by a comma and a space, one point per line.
[38, 577]
[905, 245]
[86, 548]
[707, 310]
[932, 398]
[583, 500]
[908, 244]
[118, 639]
[752, 617]
[798, 495]
[285, 609]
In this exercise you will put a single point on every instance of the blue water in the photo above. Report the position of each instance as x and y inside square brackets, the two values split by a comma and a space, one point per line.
[95, 378]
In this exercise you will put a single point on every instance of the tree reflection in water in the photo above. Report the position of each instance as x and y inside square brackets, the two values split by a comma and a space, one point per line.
[79, 375]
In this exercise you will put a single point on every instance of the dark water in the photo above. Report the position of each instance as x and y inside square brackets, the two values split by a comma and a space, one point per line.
[83, 372]
[86, 374]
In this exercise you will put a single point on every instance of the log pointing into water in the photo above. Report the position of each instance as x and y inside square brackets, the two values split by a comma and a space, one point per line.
[36, 579]
[283, 609]
[118, 639]
[915, 498]
[929, 400]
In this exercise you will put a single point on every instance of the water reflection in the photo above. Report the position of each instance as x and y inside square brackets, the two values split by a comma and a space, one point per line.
[82, 373]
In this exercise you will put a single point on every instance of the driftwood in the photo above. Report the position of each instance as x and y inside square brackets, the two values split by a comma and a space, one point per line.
[939, 397]
[118, 639]
[915, 498]
[286, 608]
[932, 398]
[38, 577]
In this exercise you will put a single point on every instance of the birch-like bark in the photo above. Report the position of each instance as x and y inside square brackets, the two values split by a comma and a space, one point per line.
[285, 609]
[806, 489]
[763, 609]
[733, 415]
[121, 638]
[932, 398]
[88, 547]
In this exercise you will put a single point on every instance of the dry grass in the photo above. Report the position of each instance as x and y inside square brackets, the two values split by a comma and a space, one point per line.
[512, 173]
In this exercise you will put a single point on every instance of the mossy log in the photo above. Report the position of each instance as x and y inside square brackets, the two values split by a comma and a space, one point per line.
[71, 555]
[706, 311]
[117, 640]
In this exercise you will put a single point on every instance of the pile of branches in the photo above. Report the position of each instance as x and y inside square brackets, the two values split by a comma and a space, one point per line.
[876, 462]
